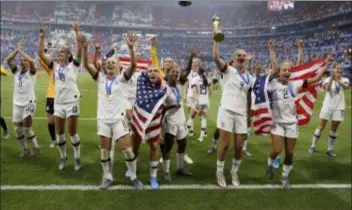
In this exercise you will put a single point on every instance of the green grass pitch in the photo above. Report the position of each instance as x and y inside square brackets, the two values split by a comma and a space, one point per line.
[43, 170]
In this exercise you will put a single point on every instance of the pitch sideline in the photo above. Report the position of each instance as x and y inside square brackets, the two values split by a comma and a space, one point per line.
[169, 187]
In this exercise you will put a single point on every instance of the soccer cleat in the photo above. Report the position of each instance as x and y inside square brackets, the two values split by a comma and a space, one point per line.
[53, 144]
[138, 185]
[285, 183]
[183, 172]
[276, 163]
[128, 174]
[190, 133]
[200, 139]
[24, 152]
[161, 160]
[35, 151]
[235, 180]
[77, 165]
[6, 134]
[247, 153]
[221, 179]
[270, 172]
[187, 159]
[330, 153]
[167, 177]
[311, 150]
[205, 134]
[211, 150]
[154, 183]
[105, 184]
[62, 163]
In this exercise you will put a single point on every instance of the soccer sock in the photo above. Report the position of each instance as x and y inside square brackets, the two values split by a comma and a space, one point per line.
[153, 168]
[112, 153]
[31, 136]
[235, 165]
[51, 129]
[332, 139]
[316, 137]
[203, 125]
[20, 137]
[105, 163]
[286, 170]
[180, 160]
[220, 166]
[215, 138]
[270, 161]
[166, 164]
[62, 145]
[131, 162]
[76, 146]
[190, 123]
[244, 148]
[3, 124]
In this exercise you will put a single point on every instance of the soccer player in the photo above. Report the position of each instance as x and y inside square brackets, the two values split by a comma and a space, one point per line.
[67, 96]
[233, 111]
[174, 122]
[200, 104]
[2, 121]
[333, 108]
[112, 124]
[284, 131]
[24, 99]
[50, 96]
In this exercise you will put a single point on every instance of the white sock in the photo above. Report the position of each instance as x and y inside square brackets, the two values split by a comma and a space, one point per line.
[190, 123]
[245, 145]
[153, 169]
[215, 142]
[220, 166]
[166, 164]
[112, 153]
[316, 137]
[270, 161]
[180, 160]
[131, 162]
[235, 164]
[20, 137]
[203, 125]
[62, 145]
[332, 139]
[286, 170]
[31, 136]
[105, 163]
[76, 146]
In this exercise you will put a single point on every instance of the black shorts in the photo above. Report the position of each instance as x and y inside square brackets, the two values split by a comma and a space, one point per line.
[50, 105]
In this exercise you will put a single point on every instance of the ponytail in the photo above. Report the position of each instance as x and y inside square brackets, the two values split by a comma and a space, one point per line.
[203, 76]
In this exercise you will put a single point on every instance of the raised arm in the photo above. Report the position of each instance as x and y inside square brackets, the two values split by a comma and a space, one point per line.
[272, 54]
[3, 71]
[77, 34]
[41, 53]
[97, 56]
[216, 56]
[153, 52]
[33, 68]
[320, 75]
[327, 87]
[185, 73]
[300, 52]
[130, 41]
[9, 59]
[90, 68]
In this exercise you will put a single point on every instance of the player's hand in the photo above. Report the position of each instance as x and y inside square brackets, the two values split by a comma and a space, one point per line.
[83, 41]
[131, 39]
[249, 57]
[271, 43]
[20, 46]
[76, 25]
[41, 33]
[153, 41]
[300, 44]
[329, 59]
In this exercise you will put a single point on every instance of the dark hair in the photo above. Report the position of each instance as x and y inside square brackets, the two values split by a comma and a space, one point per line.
[70, 59]
[201, 73]
[45, 50]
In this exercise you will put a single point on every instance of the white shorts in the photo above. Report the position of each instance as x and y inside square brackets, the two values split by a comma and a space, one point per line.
[232, 122]
[289, 130]
[202, 107]
[65, 111]
[113, 131]
[334, 115]
[180, 131]
[19, 113]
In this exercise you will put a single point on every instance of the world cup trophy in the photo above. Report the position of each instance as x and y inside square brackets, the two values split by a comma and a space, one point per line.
[218, 35]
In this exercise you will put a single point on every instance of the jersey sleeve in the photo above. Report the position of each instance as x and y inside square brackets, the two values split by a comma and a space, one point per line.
[45, 67]
[346, 80]
[326, 81]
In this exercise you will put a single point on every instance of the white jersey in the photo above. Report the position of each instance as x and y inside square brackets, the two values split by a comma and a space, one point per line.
[130, 87]
[190, 79]
[110, 106]
[24, 88]
[66, 89]
[335, 98]
[202, 91]
[283, 100]
[174, 116]
[235, 87]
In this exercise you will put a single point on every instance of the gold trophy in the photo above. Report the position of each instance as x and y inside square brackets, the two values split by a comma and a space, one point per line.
[218, 35]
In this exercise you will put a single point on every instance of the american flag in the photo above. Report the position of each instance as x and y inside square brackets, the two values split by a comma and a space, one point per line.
[142, 65]
[146, 114]
[262, 118]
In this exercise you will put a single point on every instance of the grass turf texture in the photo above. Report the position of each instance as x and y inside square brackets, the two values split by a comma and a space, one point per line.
[43, 170]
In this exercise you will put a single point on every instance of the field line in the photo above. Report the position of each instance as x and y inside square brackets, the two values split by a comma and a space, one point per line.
[171, 187]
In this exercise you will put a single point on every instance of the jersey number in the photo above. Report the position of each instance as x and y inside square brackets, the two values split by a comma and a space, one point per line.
[74, 109]
[286, 94]
[241, 85]
[203, 89]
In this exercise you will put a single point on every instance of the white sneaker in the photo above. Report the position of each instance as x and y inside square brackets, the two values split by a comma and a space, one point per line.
[161, 160]
[52, 144]
[235, 181]
[6, 135]
[187, 159]
[200, 139]
[221, 179]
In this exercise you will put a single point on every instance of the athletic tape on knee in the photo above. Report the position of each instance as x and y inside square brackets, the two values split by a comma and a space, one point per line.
[74, 139]
[104, 154]
[61, 138]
